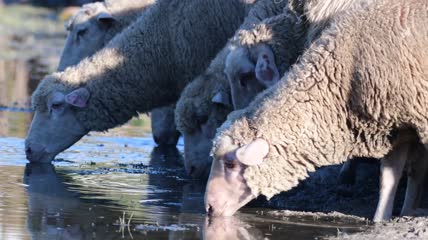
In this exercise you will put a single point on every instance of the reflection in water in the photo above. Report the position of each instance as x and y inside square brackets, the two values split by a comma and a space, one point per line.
[58, 210]
[230, 228]
[49, 203]
[13, 203]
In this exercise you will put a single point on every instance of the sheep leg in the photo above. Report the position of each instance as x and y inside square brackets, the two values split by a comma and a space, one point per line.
[411, 196]
[417, 168]
[391, 169]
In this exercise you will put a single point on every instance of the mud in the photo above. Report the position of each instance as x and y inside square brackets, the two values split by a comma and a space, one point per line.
[322, 197]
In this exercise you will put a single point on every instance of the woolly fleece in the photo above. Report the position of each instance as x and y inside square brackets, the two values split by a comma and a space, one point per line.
[359, 83]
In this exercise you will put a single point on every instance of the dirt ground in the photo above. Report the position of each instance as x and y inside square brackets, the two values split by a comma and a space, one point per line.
[321, 195]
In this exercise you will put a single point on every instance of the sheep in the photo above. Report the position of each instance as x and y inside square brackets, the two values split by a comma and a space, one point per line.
[205, 102]
[200, 93]
[250, 68]
[91, 28]
[348, 95]
[239, 66]
[146, 66]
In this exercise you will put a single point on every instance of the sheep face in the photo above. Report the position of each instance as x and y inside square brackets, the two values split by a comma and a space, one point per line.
[163, 126]
[86, 34]
[55, 127]
[227, 190]
[250, 71]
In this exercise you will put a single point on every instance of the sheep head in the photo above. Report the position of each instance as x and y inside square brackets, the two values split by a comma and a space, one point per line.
[55, 126]
[227, 190]
[87, 31]
[250, 71]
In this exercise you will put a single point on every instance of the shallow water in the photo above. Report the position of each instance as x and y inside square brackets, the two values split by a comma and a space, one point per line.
[101, 179]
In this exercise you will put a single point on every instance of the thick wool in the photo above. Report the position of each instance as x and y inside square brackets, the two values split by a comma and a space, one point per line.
[286, 39]
[318, 13]
[150, 62]
[359, 83]
[124, 13]
[275, 23]
[196, 99]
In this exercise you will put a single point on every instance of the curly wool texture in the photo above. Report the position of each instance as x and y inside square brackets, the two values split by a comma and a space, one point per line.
[285, 34]
[149, 63]
[286, 37]
[196, 97]
[318, 13]
[363, 79]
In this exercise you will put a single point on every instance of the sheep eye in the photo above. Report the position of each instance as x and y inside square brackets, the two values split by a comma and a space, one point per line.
[56, 106]
[229, 165]
[244, 78]
[229, 160]
[81, 32]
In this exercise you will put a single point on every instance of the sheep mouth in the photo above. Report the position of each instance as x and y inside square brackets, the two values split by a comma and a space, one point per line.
[41, 157]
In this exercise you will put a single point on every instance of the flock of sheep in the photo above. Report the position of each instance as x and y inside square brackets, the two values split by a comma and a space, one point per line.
[263, 90]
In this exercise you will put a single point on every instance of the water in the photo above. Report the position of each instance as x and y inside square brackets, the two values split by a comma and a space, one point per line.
[115, 185]
[104, 178]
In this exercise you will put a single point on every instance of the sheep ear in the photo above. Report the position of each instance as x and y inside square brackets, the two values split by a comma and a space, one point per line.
[266, 70]
[223, 98]
[78, 98]
[253, 153]
[105, 18]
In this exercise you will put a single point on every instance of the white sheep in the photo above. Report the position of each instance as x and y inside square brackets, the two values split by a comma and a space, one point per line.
[144, 67]
[251, 67]
[357, 91]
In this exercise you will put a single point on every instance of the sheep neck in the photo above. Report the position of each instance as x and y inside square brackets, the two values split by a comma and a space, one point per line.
[311, 130]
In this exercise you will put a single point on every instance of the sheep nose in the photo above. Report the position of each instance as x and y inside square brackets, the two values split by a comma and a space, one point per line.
[34, 151]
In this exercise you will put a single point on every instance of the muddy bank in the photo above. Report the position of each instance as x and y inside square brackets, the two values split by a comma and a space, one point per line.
[322, 192]
[321, 196]
[400, 228]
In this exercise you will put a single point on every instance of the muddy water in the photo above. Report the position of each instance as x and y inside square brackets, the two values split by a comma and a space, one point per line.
[115, 185]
